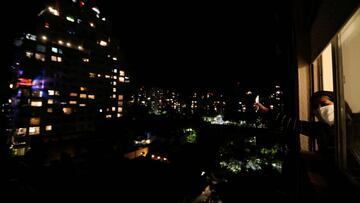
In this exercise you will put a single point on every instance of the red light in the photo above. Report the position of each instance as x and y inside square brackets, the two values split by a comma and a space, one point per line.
[82, 4]
[24, 82]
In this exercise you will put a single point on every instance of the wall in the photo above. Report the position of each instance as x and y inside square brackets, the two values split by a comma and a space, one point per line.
[304, 97]
[302, 62]
[327, 69]
[330, 18]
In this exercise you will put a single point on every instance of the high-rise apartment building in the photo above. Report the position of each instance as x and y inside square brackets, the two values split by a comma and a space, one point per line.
[67, 74]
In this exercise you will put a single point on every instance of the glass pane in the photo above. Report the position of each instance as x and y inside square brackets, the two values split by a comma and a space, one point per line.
[350, 46]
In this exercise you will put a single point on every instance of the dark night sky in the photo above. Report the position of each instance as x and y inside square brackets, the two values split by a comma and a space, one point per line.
[182, 44]
[196, 44]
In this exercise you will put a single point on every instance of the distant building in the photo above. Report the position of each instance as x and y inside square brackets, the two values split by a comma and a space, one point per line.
[67, 74]
[276, 99]
[158, 101]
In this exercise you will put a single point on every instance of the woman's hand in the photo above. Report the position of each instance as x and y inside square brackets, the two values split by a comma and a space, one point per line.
[260, 107]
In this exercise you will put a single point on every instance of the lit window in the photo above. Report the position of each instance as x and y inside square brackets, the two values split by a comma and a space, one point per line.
[41, 48]
[108, 116]
[114, 96]
[47, 25]
[103, 43]
[82, 88]
[50, 101]
[107, 76]
[36, 103]
[120, 103]
[49, 110]
[60, 42]
[11, 86]
[34, 130]
[73, 102]
[122, 73]
[114, 58]
[120, 97]
[48, 127]
[40, 57]
[38, 84]
[92, 75]
[37, 93]
[29, 54]
[67, 110]
[54, 49]
[56, 58]
[121, 79]
[21, 131]
[53, 11]
[91, 96]
[19, 151]
[119, 115]
[114, 89]
[86, 60]
[113, 108]
[114, 83]
[82, 105]
[35, 121]
[51, 92]
[120, 109]
[57, 93]
[96, 10]
[73, 94]
[115, 77]
[115, 70]
[69, 18]
[31, 37]
[83, 96]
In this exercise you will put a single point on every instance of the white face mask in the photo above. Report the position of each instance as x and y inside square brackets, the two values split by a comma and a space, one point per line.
[326, 114]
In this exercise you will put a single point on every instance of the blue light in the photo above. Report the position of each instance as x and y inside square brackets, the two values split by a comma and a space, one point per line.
[38, 83]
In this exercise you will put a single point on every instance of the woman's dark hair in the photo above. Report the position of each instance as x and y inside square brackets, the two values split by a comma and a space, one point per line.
[317, 95]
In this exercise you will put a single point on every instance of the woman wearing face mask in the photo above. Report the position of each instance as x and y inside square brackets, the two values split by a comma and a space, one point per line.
[323, 130]
[322, 103]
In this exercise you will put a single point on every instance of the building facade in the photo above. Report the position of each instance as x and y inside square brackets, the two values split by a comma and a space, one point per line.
[67, 74]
